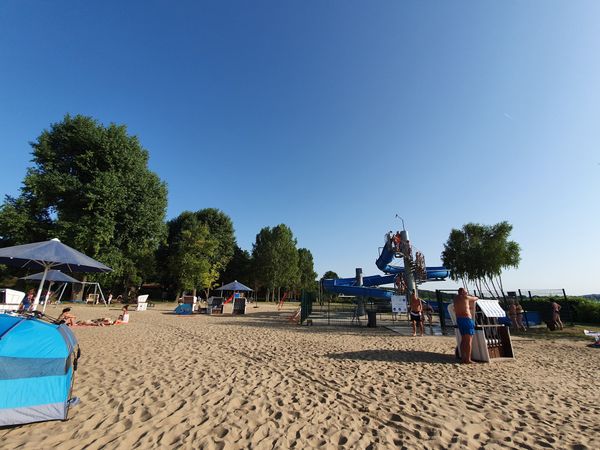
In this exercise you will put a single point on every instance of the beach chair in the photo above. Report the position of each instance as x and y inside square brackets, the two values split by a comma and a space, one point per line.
[187, 305]
[142, 303]
[10, 300]
[239, 306]
[215, 305]
[92, 298]
[492, 339]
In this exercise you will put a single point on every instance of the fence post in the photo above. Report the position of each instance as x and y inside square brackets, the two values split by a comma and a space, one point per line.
[571, 322]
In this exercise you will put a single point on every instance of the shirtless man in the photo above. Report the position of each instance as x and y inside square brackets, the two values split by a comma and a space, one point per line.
[416, 313]
[556, 315]
[464, 305]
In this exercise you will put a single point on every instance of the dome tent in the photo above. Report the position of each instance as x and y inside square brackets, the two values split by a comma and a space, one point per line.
[37, 364]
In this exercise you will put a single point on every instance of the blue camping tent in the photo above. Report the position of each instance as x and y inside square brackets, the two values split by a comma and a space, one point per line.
[37, 363]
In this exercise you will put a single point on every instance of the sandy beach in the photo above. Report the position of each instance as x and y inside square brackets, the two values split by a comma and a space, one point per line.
[255, 381]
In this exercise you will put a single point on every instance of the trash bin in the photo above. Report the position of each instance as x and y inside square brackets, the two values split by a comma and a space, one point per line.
[372, 319]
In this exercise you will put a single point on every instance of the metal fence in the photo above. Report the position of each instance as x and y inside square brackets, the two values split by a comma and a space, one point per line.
[355, 312]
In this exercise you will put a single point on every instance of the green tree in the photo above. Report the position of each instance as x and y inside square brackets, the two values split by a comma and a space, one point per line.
[306, 269]
[208, 227]
[478, 254]
[90, 186]
[330, 275]
[191, 251]
[275, 259]
[221, 229]
[239, 267]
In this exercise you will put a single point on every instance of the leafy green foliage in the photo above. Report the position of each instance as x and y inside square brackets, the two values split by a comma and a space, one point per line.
[275, 258]
[479, 253]
[239, 267]
[90, 186]
[199, 246]
[330, 275]
[306, 269]
[191, 251]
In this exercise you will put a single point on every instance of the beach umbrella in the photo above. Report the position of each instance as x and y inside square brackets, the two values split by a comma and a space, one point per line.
[49, 255]
[234, 286]
[53, 276]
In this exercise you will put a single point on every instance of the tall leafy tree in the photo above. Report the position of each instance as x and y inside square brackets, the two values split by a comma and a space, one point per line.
[191, 251]
[239, 267]
[221, 229]
[91, 187]
[478, 254]
[210, 228]
[275, 259]
[306, 270]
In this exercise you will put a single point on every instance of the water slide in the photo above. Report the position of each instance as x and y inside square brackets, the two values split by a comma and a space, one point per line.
[350, 286]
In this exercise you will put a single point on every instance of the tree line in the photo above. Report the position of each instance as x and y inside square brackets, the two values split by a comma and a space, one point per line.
[90, 186]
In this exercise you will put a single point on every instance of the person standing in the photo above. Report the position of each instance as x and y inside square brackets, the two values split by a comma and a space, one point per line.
[519, 317]
[464, 306]
[416, 313]
[556, 315]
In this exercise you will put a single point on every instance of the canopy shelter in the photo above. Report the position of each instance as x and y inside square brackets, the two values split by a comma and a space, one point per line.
[235, 286]
[49, 255]
[37, 364]
[53, 276]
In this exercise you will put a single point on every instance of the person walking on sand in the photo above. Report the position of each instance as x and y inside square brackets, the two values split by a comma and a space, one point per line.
[464, 304]
[556, 315]
[416, 313]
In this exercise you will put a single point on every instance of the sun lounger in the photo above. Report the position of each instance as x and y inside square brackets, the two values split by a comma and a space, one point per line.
[10, 300]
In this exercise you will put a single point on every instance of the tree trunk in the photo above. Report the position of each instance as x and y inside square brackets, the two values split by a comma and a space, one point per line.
[487, 286]
[494, 286]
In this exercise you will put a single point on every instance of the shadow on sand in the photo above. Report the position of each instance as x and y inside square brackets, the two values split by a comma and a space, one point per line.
[410, 356]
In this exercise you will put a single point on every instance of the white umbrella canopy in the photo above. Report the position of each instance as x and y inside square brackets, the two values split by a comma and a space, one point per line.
[49, 255]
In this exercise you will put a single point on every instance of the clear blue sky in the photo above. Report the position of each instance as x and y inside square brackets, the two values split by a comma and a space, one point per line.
[333, 116]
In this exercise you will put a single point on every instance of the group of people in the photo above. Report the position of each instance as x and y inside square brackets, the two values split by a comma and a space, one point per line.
[515, 313]
[70, 320]
[399, 245]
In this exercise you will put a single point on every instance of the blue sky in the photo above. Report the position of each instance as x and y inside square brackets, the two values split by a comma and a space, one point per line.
[333, 116]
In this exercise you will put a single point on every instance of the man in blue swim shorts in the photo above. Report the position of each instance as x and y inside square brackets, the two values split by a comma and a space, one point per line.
[464, 305]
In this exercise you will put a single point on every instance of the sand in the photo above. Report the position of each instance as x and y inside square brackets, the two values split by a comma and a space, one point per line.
[255, 381]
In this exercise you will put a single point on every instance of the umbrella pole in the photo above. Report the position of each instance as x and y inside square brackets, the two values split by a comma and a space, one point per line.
[47, 296]
[39, 292]
[61, 293]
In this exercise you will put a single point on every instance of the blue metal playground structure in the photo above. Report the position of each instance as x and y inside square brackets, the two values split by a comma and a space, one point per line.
[368, 286]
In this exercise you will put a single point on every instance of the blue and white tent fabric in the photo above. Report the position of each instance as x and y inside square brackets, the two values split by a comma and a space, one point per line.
[37, 364]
